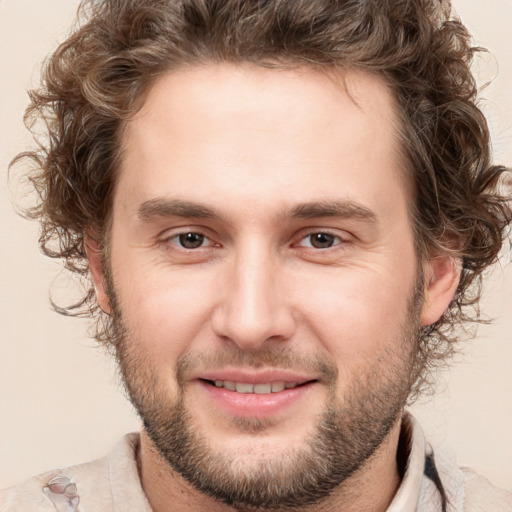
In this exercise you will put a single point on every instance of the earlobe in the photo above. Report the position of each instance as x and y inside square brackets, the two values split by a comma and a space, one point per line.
[442, 275]
[93, 252]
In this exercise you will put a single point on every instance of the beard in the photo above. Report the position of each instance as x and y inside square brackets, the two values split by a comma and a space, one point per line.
[347, 434]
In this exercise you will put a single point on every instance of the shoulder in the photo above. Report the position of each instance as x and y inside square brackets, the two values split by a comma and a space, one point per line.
[481, 496]
[91, 484]
[444, 484]
[57, 489]
[467, 491]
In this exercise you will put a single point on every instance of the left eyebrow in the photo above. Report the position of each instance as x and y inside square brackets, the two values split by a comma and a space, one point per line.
[336, 208]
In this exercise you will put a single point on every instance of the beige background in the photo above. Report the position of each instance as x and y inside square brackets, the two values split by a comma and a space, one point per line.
[59, 397]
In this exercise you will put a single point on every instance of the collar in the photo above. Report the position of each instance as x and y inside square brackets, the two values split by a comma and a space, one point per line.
[408, 494]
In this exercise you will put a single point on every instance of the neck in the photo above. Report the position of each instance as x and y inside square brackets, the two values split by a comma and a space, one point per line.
[371, 488]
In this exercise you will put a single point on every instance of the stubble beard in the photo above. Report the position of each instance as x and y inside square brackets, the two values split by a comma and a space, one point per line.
[347, 435]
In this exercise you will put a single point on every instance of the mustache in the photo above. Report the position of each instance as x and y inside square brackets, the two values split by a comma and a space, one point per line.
[273, 358]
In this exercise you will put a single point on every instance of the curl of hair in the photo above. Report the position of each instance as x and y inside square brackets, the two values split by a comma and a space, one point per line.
[97, 79]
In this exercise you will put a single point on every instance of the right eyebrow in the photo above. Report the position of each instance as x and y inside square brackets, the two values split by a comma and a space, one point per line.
[158, 207]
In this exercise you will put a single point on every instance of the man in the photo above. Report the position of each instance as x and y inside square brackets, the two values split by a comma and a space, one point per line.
[285, 209]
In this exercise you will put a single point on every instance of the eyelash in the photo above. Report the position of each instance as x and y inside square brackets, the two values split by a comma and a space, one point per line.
[336, 240]
[177, 240]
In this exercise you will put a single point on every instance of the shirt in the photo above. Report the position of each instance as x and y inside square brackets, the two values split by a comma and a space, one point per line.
[430, 483]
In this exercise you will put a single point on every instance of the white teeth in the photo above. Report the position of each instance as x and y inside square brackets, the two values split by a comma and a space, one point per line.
[260, 389]
[244, 388]
[278, 386]
[229, 385]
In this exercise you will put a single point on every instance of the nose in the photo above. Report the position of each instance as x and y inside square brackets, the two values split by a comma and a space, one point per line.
[253, 308]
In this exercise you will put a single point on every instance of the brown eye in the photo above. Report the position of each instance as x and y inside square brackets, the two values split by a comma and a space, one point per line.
[191, 240]
[322, 240]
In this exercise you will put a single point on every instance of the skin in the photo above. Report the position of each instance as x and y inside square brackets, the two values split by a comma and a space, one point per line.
[251, 145]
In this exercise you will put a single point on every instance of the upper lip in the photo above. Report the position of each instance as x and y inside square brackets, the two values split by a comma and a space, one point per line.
[254, 376]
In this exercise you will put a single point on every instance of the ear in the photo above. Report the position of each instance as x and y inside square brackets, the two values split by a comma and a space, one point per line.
[442, 275]
[93, 251]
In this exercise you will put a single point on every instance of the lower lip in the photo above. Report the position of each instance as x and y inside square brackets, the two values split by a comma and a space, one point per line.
[254, 405]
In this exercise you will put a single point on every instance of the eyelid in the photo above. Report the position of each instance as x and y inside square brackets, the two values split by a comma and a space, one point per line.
[169, 236]
[342, 238]
[176, 241]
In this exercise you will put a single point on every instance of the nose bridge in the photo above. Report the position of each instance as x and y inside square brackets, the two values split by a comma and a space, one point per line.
[253, 307]
[253, 284]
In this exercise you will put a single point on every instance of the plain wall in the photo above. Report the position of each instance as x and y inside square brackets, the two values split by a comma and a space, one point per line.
[60, 401]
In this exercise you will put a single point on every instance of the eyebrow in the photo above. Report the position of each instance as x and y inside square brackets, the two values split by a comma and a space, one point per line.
[336, 208]
[154, 208]
[159, 207]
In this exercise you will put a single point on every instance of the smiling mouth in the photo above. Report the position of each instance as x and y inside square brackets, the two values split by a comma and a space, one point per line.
[259, 389]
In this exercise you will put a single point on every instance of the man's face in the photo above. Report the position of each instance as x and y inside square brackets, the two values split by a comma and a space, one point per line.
[264, 278]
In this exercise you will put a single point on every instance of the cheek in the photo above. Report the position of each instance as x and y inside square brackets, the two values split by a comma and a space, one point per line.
[356, 314]
[166, 312]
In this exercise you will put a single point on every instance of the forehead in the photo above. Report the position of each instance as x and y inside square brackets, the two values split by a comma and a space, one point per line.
[264, 136]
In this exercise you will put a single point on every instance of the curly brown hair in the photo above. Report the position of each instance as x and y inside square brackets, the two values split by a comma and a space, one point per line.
[97, 79]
